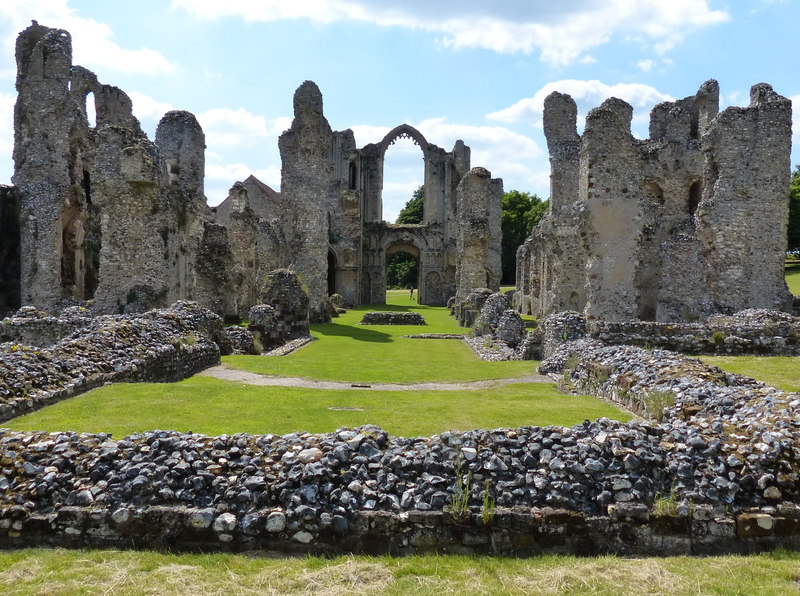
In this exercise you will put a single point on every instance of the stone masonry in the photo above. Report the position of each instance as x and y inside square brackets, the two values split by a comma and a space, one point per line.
[688, 223]
[100, 215]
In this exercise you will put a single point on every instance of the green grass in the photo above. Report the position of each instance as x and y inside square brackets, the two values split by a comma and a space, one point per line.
[57, 572]
[793, 278]
[347, 351]
[782, 372]
[211, 406]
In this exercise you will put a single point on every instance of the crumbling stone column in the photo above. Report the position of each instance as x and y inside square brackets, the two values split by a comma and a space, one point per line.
[306, 183]
[479, 235]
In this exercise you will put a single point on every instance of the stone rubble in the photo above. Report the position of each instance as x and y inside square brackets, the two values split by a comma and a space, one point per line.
[392, 318]
[161, 345]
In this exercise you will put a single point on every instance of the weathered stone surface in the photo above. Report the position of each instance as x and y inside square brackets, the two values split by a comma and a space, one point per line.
[662, 229]
[392, 318]
[86, 192]
[163, 345]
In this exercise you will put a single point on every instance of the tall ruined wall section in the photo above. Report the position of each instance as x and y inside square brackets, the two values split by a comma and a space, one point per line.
[688, 223]
[105, 214]
[9, 250]
[306, 186]
[479, 235]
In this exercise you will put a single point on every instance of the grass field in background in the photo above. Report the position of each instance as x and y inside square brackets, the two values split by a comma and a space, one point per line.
[793, 278]
[782, 372]
[357, 353]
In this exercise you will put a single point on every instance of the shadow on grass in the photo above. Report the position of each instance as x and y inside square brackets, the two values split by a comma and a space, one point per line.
[360, 334]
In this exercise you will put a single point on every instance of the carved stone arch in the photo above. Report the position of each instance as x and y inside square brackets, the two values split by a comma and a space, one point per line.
[400, 132]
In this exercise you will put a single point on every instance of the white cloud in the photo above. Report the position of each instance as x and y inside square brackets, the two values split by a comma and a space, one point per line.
[561, 32]
[587, 59]
[587, 95]
[147, 108]
[6, 136]
[226, 127]
[93, 43]
[645, 65]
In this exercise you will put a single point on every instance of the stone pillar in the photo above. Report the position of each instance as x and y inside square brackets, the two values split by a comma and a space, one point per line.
[306, 183]
[479, 235]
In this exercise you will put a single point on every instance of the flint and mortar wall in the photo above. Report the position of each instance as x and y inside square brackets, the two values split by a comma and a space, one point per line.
[165, 345]
[686, 224]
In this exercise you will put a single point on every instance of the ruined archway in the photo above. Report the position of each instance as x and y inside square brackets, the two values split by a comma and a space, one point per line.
[403, 267]
[402, 171]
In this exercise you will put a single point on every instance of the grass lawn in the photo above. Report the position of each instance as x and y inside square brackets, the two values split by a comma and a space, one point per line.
[782, 372]
[357, 353]
[40, 571]
[793, 278]
[134, 407]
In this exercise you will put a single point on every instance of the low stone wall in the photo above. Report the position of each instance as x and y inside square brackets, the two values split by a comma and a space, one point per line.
[747, 332]
[628, 531]
[392, 318]
[162, 345]
[33, 327]
[594, 488]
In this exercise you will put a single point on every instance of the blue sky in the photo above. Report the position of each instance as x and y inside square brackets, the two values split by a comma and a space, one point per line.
[467, 69]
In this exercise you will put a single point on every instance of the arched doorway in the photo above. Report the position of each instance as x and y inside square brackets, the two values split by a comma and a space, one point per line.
[403, 268]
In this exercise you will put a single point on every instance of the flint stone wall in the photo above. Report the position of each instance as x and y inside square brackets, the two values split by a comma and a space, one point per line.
[726, 450]
[392, 318]
[629, 531]
[751, 331]
[33, 327]
[688, 223]
[163, 345]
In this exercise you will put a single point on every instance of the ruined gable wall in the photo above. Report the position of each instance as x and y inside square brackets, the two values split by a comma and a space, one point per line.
[106, 214]
[306, 184]
[743, 214]
[658, 229]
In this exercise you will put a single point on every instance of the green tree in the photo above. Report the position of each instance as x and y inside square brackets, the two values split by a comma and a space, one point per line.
[521, 211]
[401, 272]
[794, 211]
[413, 211]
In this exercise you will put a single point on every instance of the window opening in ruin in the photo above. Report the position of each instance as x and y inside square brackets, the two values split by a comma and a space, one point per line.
[174, 173]
[353, 175]
[403, 173]
[653, 193]
[72, 266]
[695, 194]
[91, 110]
[87, 187]
[331, 273]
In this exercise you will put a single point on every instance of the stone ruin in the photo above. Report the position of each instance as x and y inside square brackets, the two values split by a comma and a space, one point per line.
[99, 212]
[688, 223]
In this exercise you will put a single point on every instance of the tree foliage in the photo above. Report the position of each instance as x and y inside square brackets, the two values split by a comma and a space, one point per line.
[521, 212]
[413, 211]
[794, 211]
[401, 272]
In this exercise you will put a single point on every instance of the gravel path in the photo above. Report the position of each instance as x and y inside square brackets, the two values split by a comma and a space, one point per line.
[227, 373]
